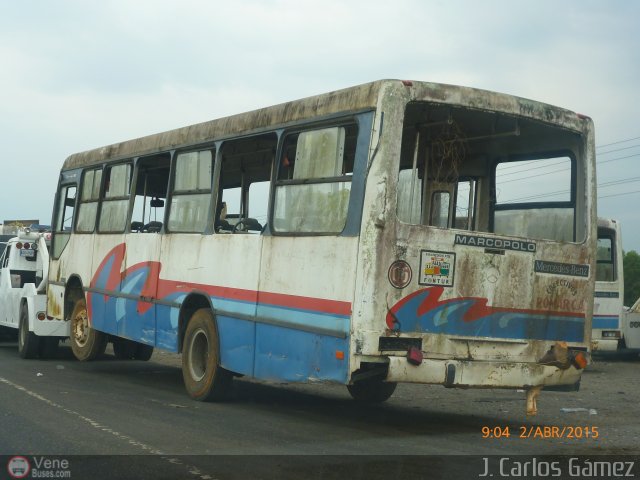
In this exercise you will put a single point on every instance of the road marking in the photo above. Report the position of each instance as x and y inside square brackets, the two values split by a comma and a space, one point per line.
[193, 470]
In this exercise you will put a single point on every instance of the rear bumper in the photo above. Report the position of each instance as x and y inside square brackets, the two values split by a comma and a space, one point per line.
[51, 328]
[604, 344]
[480, 374]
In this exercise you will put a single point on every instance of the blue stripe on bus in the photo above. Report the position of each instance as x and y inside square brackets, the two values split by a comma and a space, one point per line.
[424, 312]
[279, 352]
[606, 322]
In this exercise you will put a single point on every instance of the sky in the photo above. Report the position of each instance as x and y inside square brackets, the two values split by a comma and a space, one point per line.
[76, 75]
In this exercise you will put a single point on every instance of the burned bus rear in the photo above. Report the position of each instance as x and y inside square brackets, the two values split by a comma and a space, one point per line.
[476, 263]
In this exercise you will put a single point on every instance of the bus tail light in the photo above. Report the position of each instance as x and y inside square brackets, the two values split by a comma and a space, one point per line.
[611, 334]
[41, 316]
[414, 356]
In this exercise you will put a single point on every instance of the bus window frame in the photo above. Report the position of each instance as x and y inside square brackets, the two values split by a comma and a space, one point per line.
[214, 149]
[111, 165]
[571, 203]
[363, 121]
[65, 184]
[610, 234]
[80, 202]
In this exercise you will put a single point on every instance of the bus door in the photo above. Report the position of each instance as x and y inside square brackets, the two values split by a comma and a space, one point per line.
[107, 240]
[308, 266]
[243, 180]
[64, 215]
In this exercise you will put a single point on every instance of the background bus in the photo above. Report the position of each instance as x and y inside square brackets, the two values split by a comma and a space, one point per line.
[384, 233]
[609, 292]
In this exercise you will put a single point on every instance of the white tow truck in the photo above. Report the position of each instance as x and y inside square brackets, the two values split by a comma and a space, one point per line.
[24, 268]
[631, 329]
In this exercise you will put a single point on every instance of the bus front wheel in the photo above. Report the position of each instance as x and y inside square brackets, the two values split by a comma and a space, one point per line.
[203, 376]
[371, 390]
[86, 342]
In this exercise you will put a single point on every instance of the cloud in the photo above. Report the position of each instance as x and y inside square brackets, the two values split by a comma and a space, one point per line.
[77, 75]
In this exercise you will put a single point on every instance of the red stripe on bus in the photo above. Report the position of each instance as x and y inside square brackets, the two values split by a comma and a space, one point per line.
[321, 305]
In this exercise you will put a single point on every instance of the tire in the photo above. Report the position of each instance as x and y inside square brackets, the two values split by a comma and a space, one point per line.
[204, 378]
[372, 390]
[143, 352]
[124, 349]
[28, 342]
[86, 342]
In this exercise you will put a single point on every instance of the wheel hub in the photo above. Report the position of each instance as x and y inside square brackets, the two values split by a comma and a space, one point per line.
[198, 355]
[81, 328]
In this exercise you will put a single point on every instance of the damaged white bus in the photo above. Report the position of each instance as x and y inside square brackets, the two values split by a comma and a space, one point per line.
[366, 236]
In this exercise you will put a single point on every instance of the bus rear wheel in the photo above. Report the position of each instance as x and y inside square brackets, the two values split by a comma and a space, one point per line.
[125, 349]
[86, 342]
[372, 390]
[143, 352]
[204, 378]
[28, 342]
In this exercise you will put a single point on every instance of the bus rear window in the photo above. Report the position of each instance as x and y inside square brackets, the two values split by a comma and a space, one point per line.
[605, 268]
[468, 169]
[534, 199]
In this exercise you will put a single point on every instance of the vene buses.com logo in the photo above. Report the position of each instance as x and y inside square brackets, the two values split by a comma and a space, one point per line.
[18, 467]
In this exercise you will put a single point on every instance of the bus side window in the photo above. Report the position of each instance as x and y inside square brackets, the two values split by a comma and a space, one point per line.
[191, 196]
[150, 190]
[64, 219]
[243, 188]
[115, 200]
[89, 196]
[605, 261]
[314, 181]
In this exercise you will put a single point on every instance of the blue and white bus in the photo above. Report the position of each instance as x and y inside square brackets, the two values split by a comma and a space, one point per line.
[609, 292]
[366, 236]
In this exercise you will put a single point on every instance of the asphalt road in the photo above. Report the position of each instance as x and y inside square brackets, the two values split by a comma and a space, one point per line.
[61, 407]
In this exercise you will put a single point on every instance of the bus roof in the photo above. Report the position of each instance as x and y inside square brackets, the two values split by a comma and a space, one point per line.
[358, 98]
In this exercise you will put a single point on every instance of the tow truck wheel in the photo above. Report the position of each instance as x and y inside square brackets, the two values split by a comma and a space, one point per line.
[86, 342]
[28, 342]
[203, 376]
[371, 390]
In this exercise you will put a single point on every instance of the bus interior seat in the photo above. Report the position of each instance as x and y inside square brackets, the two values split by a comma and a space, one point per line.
[221, 218]
[152, 227]
[251, 224]
[461, 223]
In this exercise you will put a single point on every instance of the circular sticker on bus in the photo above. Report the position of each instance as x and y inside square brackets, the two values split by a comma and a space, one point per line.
[400, 274]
